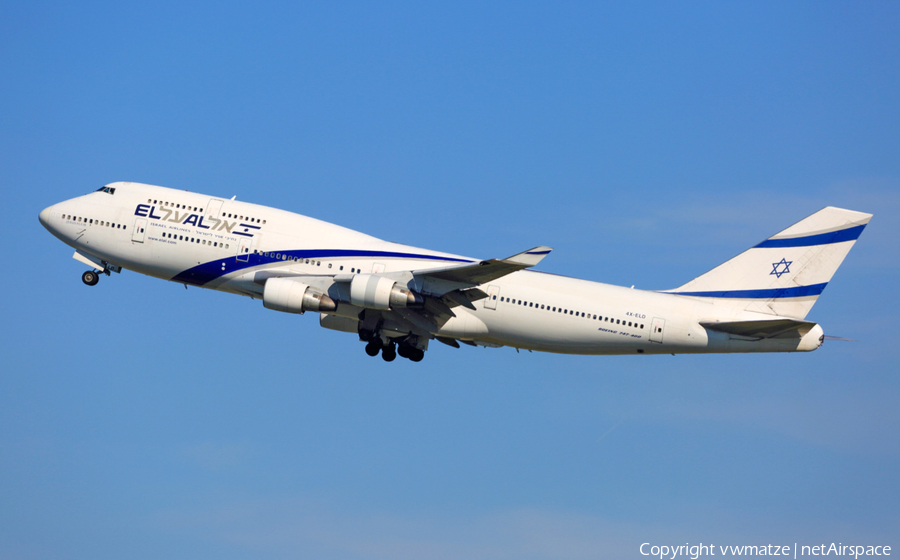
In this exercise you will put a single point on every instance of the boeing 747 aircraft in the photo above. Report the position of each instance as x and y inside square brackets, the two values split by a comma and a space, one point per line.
[398, 298]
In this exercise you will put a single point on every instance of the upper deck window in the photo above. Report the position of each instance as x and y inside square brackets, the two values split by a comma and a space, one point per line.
[107, 190]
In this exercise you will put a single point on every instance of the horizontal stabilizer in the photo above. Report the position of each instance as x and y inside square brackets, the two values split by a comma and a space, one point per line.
[761, 329]
[485, 271]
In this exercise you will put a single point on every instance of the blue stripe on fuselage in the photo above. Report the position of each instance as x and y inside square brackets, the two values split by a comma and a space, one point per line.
[207, 272]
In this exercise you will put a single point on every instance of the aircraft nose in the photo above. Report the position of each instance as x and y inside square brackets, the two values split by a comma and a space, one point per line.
[44, 217]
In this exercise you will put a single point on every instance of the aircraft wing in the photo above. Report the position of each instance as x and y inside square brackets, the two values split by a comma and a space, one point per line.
[485, 271]
[761, 329]
[453, 286]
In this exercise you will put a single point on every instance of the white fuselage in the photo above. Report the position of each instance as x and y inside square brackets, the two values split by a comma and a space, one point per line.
[224, 244]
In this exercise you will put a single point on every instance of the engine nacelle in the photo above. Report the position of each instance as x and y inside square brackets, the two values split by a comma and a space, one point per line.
[377, 292]
[293, 296]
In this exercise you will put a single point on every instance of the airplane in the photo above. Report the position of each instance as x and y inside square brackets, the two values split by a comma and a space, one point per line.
[398, 298]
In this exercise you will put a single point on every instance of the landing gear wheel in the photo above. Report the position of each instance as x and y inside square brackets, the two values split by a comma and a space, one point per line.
[90, 278]
[388, 353]
[373, 348]
[404, 351]
[416, 355]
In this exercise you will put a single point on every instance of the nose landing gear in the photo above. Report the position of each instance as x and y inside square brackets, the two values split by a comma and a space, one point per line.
[90, 278]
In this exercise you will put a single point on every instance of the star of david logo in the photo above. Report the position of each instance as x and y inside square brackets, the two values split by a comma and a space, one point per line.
[779, 271]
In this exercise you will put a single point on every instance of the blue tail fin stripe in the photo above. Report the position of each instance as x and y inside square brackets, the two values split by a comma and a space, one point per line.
[797, 291]
[849, 234]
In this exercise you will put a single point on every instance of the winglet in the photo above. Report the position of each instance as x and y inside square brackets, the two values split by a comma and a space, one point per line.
[530, 257]
[485, 271]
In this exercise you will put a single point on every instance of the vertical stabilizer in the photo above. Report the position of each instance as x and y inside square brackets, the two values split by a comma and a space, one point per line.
[784, 274]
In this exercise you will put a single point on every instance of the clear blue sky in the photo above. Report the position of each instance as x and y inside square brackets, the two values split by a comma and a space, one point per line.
[645, 142]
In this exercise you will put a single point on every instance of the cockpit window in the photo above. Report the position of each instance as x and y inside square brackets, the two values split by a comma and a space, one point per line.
[107, 190]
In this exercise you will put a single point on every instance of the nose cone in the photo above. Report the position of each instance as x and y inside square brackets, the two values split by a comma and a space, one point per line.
[50, 218]
[44, 217]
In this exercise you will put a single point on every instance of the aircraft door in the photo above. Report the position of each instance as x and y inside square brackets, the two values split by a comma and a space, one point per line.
[493, 294]
[213, 208]
[656, 329]
[137, 235]
[244, 249]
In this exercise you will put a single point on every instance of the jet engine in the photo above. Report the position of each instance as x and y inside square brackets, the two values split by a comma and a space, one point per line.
[293, 296]
[377, 292]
